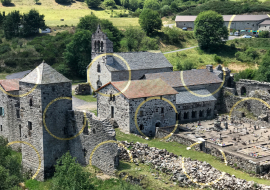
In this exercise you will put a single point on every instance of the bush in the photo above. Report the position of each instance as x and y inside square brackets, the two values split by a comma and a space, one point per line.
[5, 2]
[93, 3]
[247, 56]
[264, 34]
[217, 59]
[63, 1]
[109, 3]
[4, 48]
[232, 46]
[245, 74]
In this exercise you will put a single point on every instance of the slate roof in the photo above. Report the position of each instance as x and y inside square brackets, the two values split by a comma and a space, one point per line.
[143, 88]
[48, 75]
[265, 22]
[19, 75]
[139, 61]
[226, 18]
[191, 77]
[10, 84]
[185, 97]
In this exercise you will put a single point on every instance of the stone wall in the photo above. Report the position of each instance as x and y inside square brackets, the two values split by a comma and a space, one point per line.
[251, 85]
[95, 132]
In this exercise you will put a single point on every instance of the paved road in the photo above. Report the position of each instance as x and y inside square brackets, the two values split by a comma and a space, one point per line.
[81, 104]
[180, 50]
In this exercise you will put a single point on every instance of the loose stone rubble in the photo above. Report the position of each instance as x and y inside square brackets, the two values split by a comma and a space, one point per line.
[171, 164]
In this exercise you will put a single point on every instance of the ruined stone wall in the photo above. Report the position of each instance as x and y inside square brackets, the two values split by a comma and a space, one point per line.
[137, 74]
[121, 107]
[251, 85]
[9, 122]
[150, 114]
[95, 132]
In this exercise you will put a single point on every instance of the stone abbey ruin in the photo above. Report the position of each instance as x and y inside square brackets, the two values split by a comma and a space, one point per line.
[159, 97]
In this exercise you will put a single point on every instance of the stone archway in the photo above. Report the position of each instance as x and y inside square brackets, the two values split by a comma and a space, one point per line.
[158, 124]
[243, 91]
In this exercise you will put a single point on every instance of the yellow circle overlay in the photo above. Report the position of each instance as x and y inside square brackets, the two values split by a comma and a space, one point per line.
[25, 94]
[204, 184]
[44, 122]
[129, 73]
[200, 95]
[245, 99]
[39, 158]
[155, 98]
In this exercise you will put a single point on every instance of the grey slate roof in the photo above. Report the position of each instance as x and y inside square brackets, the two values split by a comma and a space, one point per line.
[47, 74]
[139, 61]
[191, 77]
[19, 75]
[185, 97]
[226, 18]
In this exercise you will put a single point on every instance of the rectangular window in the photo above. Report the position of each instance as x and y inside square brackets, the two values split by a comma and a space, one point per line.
[18, 113]
[2, 113]
[20, 128]
[141, 113]
[29, 125]
[176, 116]
[113, 98]
[110, 96]
[162, 110]
[112, 112]
[1, 110]
[1, 128]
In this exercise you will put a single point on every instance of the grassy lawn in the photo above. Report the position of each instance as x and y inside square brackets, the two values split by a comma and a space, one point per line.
[201, 59]
[87, 98]
[70, 13]
[3, 75]
[186, 44]
[180, 149]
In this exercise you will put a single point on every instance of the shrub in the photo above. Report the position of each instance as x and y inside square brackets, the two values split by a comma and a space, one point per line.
[109, 3]
[5, 2]
[217, 59]
[200, 60]
[4, 48]
[232, 46]
[188, 65]
[93, 3]
[245, 74]
[63, 1]
[264, 34]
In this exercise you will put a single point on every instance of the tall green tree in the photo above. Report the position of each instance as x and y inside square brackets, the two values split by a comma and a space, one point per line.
[151, 4]
[150, 21]
[93, 3]
[11, 24]
[263, 73]
[90, 22]
[31, 22]
[209, 30]
[78, 52]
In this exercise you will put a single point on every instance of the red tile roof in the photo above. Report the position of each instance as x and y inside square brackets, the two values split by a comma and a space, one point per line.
[143, 88]
[10, 84]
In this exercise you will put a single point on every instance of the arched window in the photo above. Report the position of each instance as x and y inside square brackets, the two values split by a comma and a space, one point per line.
[158, 124]
[31, 102]
[98, 68]
[201, 113]
[208, 112]
[185, 115]
[95, 45]
[243, 91]
[98, 46]
[141, 127]
[194, 113]
[101, 46]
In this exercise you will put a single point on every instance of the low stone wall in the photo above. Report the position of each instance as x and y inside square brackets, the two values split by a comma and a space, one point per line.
[232, 159]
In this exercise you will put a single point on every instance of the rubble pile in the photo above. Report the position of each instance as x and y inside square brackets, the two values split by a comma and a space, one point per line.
[171, 164]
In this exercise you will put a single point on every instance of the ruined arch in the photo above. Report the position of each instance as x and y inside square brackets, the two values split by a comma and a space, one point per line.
[243, 91]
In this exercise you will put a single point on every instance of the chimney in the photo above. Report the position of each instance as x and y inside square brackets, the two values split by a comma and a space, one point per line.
[209, 68]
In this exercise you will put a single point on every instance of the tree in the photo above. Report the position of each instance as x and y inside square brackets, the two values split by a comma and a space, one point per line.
[69, 175]
[133, 4]
[109, 3]
[209, 30]
[78, 52]
[151, 4]
[11, 24]
[263, 73]
[36, 1]
[5, 2]
[125, 3]
[31, 23]
[93, 3]
[63, 1]
[150, 21]
[90, 22]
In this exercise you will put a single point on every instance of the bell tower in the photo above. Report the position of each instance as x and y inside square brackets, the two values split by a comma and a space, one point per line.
[100, 43]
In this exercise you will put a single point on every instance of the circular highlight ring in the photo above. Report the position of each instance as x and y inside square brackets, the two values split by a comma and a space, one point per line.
[129, 73]
[44, 122]
[153, 98]
[111, 141]
[25, 94]
[200, 95]
[39, 158]
[245, 99]
[209, 183]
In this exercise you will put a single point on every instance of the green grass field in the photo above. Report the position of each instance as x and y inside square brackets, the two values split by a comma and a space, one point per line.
[87, 98]
[180, 149]
[71, 14]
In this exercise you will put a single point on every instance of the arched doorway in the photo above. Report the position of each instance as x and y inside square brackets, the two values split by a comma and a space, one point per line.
[158, 124]
[243, 91]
